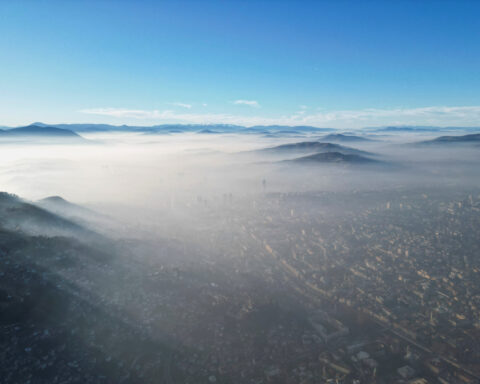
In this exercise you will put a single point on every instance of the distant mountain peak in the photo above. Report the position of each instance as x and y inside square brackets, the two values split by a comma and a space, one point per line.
[56, 199]
[35, 130]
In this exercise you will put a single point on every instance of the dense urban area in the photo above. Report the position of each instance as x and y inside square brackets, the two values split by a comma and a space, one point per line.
[327, 287]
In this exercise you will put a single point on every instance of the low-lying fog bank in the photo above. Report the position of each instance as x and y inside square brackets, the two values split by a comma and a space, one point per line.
[211, 257]
[156, 171]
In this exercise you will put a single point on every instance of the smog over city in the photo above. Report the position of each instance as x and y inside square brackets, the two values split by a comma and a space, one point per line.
[239, 192]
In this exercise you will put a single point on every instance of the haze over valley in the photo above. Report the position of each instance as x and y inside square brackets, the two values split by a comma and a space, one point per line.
[204, 257]
[239, 192]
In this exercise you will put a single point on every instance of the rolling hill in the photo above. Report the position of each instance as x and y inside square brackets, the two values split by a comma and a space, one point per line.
[334, 158]
[465, 139]
[18, 214]
[310, 147]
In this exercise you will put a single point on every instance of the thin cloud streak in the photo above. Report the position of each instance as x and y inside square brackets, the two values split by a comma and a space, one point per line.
[250, 103]
[183, 105]
[434, 115]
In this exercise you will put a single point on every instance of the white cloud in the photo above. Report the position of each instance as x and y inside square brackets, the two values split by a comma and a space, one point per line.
[435, 115]
[183, 105]
[119, 112]
[250, 103]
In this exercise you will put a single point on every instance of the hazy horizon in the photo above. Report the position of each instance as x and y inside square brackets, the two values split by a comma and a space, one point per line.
[239, 192]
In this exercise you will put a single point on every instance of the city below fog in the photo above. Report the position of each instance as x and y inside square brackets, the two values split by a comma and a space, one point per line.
[219, 254]
[239, 192]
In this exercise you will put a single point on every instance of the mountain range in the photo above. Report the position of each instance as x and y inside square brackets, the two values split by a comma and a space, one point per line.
[419, 129]
[177, 128]
[72, 131]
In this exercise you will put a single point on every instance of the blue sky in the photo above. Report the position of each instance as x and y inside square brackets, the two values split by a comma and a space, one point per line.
[324, 63]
